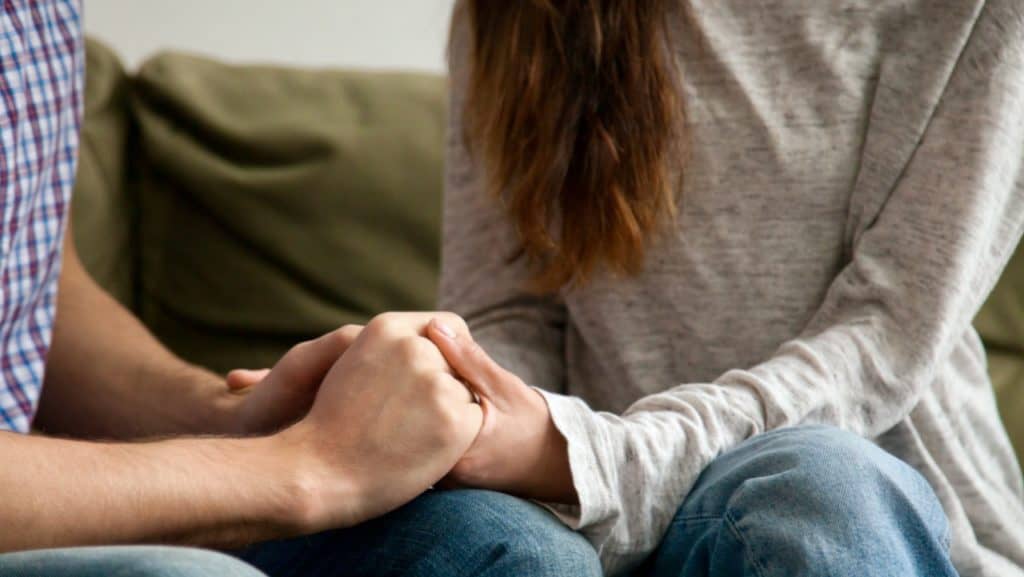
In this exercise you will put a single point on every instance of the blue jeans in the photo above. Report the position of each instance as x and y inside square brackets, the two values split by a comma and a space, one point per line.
[440, 534]
[805, 501]
[126, 561]
[465, 533]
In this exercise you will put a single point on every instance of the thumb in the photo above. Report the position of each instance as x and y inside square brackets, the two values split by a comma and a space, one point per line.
[467, 358]
[244, 378]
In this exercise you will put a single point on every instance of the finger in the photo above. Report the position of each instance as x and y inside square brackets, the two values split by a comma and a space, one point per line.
[475, 397]
[457, 390]
[244, 378]
[468, 359]
[474, 419]
[308, 362]
[398, 324]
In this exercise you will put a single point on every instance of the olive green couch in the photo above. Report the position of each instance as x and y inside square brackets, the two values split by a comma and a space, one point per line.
[239, 209]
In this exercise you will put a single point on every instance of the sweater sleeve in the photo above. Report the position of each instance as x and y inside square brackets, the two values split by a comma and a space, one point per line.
[916, 278]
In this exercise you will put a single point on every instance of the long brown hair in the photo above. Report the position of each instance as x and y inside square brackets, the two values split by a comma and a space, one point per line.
[575, 107]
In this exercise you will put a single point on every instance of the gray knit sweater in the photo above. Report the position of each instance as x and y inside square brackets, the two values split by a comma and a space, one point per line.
[855, 187]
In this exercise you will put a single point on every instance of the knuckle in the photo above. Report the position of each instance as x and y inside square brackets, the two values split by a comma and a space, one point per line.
[447, 398]
[299, 349]
[347, 334]
[383, 319]
[479, 356]
[336, 340]
[389, 317]
[410, 350]
[296, 357]
[383, 324]
[438, 386]
[440, 390]
[448, 424]
[453, 320]
[474, 349]
[351, 328]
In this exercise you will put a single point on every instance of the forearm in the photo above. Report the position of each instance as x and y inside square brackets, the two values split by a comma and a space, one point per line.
[108, 377]
[212, 492]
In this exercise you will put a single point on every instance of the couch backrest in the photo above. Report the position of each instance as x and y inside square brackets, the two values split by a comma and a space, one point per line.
[104, 208]
[268, 205]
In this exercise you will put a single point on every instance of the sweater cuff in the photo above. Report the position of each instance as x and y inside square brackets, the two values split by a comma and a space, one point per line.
[576, 422]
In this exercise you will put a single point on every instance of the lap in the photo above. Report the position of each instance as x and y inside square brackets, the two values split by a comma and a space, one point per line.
[442, 533]
[806, 500]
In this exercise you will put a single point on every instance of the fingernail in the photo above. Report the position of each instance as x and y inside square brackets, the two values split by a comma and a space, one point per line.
[444, 329]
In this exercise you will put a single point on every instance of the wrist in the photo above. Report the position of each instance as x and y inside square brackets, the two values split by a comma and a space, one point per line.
[553, 473]
[324, 493]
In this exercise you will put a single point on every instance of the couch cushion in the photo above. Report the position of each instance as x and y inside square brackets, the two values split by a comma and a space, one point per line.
[277, 204]
[102, 210]
[1001, 326]
[1001, 320]
[1007, 370]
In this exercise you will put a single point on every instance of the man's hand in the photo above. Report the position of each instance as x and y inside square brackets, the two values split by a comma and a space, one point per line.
[388, 422]
[266, 400]
[519, 450]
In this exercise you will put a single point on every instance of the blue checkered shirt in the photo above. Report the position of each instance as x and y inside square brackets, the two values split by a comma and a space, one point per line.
[41, 68]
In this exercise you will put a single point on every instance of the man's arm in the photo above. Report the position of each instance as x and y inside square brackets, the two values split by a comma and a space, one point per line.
[388, 421]
[108, 377]
[214, 492]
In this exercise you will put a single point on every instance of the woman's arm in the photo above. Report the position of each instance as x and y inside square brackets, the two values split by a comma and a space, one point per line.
[917, 276]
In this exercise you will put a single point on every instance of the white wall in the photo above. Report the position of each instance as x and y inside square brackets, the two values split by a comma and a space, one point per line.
[402, 34]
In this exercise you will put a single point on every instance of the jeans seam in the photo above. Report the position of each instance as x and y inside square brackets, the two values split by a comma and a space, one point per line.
[695, 518]
[759, 569]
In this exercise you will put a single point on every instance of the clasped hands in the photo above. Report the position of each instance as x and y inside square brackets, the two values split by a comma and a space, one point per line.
[383, 412]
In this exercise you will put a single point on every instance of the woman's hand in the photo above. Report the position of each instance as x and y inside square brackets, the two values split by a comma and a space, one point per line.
[519, 450]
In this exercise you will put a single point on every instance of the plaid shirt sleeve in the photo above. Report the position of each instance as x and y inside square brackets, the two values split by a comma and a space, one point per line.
[41, 74]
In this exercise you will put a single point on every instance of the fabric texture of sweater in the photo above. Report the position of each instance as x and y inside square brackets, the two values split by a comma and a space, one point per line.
[855, 186]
